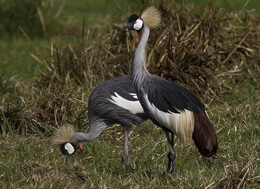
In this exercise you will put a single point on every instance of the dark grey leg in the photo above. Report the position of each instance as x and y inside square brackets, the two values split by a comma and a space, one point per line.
[129, 154]
[126, 159]
[171, 154]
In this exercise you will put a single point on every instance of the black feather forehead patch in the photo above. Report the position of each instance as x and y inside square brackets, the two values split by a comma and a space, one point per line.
[132, 18]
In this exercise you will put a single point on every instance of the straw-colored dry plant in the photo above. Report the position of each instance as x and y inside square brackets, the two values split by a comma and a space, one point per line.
[206, 52]
[196, 50]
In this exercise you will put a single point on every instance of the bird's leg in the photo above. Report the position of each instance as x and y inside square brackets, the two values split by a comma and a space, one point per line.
[127, 149]
[129, 154]
[171, 154]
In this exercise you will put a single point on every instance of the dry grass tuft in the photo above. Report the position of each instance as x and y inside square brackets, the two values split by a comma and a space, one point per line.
[63, 134]
[207, 53]
[200, 51]
[151, 17]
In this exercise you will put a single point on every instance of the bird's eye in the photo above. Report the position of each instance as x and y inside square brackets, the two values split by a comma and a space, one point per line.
[138, 24]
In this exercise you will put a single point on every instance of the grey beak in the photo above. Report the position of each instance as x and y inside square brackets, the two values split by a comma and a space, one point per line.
[67, 158]
[128, 26]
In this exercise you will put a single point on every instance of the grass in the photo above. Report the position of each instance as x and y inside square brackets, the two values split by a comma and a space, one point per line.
[63, 19]
[17, 60]
[236, 5]
[30, 161]
[228, 82]
[69, 17]
[96, 13]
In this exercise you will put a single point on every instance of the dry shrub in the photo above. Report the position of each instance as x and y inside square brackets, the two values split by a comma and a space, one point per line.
[43, 107]
[193, 47]
[205, 50]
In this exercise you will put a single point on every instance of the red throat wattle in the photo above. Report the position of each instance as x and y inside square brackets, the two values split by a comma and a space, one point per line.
[139, 36]
[79, 146]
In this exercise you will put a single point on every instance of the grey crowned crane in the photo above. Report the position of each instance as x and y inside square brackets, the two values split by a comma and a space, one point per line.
[111, 102]
[170, 106]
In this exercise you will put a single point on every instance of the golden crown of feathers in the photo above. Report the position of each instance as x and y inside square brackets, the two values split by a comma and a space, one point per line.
[151, 17]
[63, 134]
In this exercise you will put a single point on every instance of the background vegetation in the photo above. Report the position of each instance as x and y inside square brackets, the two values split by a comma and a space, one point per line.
[53, 53]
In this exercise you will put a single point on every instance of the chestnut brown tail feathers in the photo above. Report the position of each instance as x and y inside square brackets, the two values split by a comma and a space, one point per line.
[204, 135]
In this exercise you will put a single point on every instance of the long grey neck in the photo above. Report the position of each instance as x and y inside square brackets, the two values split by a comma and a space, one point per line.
[94, 131]
[139, 70]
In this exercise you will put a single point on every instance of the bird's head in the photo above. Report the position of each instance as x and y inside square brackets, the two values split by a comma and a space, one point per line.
[134, 23]
[151, 17]
[63, 138]
[69, 148]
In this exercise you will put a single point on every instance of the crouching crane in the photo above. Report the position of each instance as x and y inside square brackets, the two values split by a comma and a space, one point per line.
[170, 106]
[111, 102]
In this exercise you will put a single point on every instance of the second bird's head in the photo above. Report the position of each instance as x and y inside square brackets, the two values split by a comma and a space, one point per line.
[64, 138]
[69, 148]
[134, 23]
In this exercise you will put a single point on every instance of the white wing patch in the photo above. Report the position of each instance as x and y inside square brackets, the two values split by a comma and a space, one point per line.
[134, 95]
[133, 106]
[181, 124]
[69, 148]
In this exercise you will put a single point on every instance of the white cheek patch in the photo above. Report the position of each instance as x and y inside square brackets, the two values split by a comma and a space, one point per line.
[138, 24]
[69, 148]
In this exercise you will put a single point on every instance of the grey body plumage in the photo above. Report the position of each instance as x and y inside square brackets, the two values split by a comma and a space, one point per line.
[112, 102]
[102, 108]
[172, 107]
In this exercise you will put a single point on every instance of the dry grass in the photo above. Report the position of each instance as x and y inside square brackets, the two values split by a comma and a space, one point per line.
[33, 162]
[195, 50]
[208, 53]
[211, 44]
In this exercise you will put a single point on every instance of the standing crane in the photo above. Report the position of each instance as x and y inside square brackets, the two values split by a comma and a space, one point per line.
[170, 106]
[111, 102]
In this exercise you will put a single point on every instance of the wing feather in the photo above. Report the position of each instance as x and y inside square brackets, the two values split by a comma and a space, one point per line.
[170, 97]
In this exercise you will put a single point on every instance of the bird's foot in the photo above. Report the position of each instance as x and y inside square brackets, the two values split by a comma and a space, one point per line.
[126, 162]
[171, 163]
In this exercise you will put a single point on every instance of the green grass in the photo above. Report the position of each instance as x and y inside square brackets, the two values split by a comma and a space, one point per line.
[70, 15]
[30, 161]
[236, 5]
[97, 13]
[17, 60]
